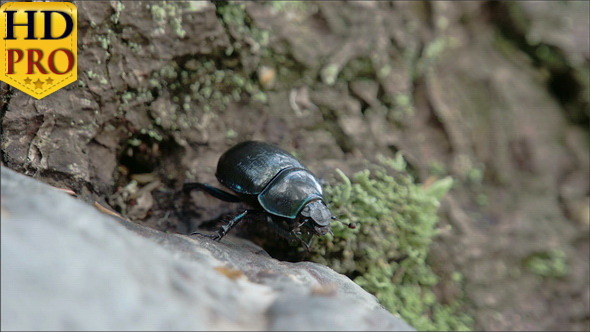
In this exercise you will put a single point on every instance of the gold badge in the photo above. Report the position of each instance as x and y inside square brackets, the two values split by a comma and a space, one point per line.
[39, 46]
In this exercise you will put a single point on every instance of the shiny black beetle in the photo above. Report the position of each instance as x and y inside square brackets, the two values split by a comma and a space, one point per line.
[274, 182]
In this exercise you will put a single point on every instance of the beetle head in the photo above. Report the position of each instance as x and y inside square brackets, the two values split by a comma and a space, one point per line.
[319, 213]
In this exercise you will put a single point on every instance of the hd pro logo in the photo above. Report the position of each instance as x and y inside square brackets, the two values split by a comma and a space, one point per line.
[38, 49]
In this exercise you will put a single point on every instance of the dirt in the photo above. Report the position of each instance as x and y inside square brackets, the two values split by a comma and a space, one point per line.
[455, 86]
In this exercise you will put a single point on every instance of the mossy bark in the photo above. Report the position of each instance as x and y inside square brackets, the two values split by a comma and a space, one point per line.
[494, 95]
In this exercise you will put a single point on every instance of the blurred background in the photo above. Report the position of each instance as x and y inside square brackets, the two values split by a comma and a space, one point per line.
[493, 94]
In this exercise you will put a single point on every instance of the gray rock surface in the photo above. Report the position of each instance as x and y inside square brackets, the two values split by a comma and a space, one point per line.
[67, 266]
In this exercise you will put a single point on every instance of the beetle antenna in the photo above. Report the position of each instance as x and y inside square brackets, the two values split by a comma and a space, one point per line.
[349, 225]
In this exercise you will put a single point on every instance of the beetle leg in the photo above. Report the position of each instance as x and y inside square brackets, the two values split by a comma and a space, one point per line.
[289, 234]
[278, 230]
[222, 231]
[306, 244]
[214, 237]
[215, 192]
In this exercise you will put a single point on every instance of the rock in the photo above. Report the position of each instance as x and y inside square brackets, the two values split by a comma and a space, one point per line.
[65, 265]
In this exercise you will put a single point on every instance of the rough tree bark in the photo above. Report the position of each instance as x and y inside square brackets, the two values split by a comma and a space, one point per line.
[494, 94]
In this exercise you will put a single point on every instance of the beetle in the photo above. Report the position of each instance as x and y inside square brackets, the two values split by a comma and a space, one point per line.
[275, 183]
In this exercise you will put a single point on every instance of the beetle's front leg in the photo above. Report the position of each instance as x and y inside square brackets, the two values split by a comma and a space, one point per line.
[289, 234]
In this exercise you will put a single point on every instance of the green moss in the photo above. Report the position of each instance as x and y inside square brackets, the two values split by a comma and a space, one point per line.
[437, 168]
[104, 42]
[95, 76]
[158, 13]
[128, 96]
[91, 75]
[230, 133]
[119, 7]
[433, 52]
[169, 13]
[551, 264]
[402, 107]
[293, 6]
[330, 73]
[482, 200]
[208, 85]
[134, 141]
[202, 84]
[357, 68]
[396, 219]
[135, 47]
[152, 133]
[384, 71]
[234, 16]
[250, 42]
[200, 88]
[475, 175]
[403, 100]
[169, 71]
[437, 47]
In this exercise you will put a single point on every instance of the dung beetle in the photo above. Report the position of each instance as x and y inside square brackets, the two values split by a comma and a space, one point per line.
[275, 183]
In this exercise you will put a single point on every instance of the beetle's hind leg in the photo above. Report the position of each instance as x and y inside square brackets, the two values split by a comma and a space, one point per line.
[223, 230]
[209, 189]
